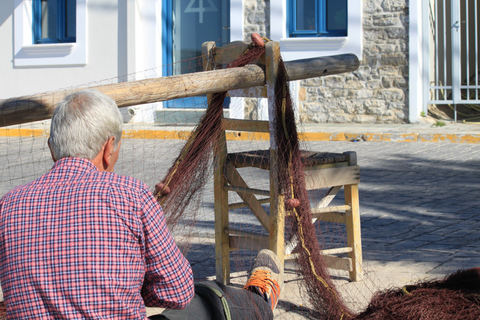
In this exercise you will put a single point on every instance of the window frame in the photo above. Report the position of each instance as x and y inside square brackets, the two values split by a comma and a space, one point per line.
[294, 48]
[27, 54]
[320, 21]
[61, 24]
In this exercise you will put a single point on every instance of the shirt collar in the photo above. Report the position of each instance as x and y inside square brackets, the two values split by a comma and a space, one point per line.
[79, 163]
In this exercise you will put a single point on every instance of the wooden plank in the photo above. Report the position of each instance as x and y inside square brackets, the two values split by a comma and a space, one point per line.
[310, 68]
[222, 242]
[235, 179]
[248, 190]
[244, 125]
[237, 205]
[331, 209]
[332, 192]
[277, 202]
[40, 107]
[332, 262]
[329, 177]
[335, 217]
[239, 232]
[354, 238]
[247, 243]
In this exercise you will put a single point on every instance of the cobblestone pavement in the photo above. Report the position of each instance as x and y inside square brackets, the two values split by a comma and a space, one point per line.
[419, 205]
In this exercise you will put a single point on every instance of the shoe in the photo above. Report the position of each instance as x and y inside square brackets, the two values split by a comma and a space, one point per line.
[266, 277]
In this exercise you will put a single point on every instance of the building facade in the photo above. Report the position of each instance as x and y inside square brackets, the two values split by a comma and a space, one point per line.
[123, 40]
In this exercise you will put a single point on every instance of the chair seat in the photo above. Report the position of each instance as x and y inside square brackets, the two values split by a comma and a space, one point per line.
[261, 158]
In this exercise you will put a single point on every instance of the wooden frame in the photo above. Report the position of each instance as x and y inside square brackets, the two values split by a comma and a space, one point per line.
[226, 178]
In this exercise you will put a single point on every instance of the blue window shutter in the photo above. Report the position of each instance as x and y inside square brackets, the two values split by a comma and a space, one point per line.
[329, 18]
[54, 21]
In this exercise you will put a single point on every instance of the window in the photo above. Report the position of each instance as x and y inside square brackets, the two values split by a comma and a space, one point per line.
[337, 27]
[28, 53]
[318, 18]
[54, 21]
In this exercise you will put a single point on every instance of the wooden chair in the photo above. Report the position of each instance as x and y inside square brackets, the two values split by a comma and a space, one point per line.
[323, 170]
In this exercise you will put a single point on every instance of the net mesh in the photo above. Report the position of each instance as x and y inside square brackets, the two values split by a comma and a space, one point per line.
[178, 151]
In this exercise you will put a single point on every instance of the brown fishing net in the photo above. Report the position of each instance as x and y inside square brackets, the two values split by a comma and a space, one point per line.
[322, 293]
[192, 167]
[186, 168]
[455, 297]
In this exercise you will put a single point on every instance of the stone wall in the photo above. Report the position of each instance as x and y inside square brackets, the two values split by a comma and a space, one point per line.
[377, 92]
[257, 20]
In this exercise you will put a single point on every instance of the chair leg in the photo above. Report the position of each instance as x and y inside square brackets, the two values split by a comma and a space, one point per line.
[354, 238]
[276, 238]
[222, 239]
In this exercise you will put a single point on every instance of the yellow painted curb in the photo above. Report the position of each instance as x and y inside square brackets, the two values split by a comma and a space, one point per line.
[246, 136]
[19, 132]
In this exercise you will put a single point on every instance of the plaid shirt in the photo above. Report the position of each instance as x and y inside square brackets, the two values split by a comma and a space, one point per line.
[80, 243]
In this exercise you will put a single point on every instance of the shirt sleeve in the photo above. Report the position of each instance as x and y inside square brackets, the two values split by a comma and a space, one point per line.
[168, 279]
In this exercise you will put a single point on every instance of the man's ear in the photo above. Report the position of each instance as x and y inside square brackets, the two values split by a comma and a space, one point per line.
[108, 151]
[51, 150]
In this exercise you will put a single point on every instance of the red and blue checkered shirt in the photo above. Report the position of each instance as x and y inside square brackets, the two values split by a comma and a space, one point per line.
[79, 243]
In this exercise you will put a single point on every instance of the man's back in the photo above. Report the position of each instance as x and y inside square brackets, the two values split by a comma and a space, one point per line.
[80, 243]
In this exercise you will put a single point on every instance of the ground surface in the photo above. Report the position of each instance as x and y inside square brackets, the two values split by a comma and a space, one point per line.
[419, 206]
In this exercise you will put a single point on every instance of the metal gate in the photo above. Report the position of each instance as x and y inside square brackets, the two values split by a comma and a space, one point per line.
[451, 49]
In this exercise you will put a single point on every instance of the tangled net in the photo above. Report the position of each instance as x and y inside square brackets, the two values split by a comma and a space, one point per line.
[455, 297]
[192, 167]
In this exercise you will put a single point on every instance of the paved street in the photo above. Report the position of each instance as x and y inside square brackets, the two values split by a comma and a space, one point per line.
[419, 204]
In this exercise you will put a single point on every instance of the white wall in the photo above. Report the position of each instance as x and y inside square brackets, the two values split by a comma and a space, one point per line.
[101, 53]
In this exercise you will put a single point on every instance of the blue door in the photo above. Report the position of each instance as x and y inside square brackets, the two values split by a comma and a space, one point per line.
[187, 25]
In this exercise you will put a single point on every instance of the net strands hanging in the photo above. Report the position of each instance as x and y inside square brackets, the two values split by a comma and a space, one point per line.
[192, 167]
[322, 293]
[190, 171]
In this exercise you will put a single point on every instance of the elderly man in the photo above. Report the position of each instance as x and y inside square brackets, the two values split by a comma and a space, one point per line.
[82, 242]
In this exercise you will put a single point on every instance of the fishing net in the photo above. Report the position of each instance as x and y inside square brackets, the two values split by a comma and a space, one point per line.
[179, 155]
[455, 297]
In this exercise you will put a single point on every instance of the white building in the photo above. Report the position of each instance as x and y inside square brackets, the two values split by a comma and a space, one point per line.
[132, 39]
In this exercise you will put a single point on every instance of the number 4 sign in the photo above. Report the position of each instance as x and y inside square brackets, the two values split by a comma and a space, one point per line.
[201, 8]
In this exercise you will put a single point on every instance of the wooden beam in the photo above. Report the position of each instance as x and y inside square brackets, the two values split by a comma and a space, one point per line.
[235, 179]
[40, 107]
[329, 177]
[246, 190]
[245, 125]
[331, 262]
[238, 205]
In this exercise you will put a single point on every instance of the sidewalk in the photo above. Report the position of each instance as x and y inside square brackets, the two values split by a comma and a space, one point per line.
[449, 133]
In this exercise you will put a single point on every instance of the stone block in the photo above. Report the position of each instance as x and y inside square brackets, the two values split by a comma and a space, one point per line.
[394, 5]
[360, 94]
[397, 33]
[392, 94]
[373, 84]
[394, 59]
[385, 20]
[334, 81]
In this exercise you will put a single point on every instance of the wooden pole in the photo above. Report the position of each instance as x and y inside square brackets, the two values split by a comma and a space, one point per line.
[40, 107]
[276, 240]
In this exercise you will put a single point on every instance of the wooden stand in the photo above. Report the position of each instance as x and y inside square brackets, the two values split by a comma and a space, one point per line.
[342, 171]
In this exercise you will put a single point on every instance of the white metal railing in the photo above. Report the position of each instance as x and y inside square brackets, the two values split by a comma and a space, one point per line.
[451, 52]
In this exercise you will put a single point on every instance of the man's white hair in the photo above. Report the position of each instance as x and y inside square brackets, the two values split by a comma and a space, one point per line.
[82, 123]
